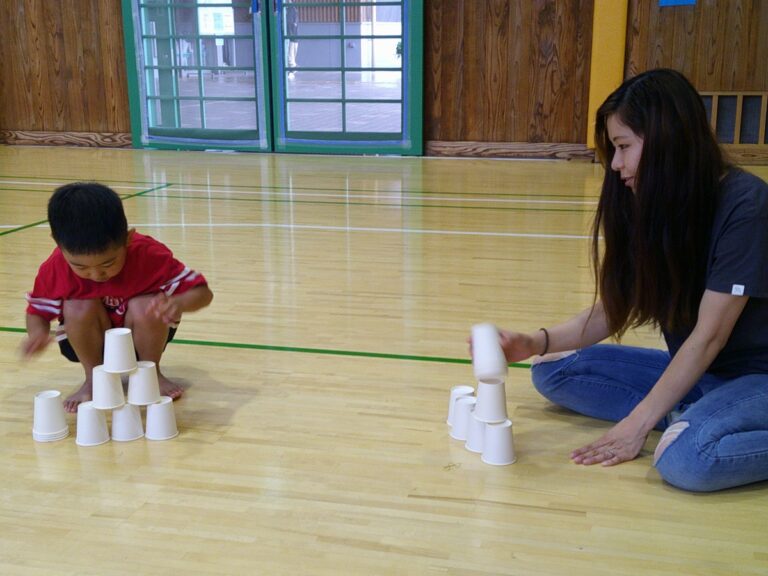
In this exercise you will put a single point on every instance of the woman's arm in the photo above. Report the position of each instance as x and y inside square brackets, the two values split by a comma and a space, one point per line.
[718, 314]
[587, 328]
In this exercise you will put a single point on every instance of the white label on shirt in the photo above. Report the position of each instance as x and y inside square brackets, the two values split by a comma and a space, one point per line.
[737, 290]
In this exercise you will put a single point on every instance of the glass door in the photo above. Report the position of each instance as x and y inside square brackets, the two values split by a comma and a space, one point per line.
[200, 79]
[275, 75]
[350, 76]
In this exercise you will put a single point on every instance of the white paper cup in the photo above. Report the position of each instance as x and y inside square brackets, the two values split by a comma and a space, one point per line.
[107, 389]
[464, 405]
[143, 388]
[119, 354]
[491, 402]
[498, 448]
[126, 423]
[457, 392]
[475, 433]
[161, 421]
[488, 359]
[49, 422]
[91, 425]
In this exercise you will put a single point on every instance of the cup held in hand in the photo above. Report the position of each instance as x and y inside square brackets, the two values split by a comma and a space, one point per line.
[488, 360]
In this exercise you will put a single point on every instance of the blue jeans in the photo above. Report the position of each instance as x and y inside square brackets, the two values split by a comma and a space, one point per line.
[726, 441]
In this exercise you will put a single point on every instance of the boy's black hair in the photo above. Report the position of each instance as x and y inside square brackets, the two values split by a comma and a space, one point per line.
[87, 218]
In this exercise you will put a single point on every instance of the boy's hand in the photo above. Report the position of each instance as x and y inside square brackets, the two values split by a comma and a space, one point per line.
[165, 308]
[35, 343]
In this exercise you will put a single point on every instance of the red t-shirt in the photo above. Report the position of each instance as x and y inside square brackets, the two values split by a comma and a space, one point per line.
[149, 268]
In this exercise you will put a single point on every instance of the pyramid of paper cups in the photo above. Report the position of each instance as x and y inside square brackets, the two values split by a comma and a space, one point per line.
[479, 417]
[92, 428]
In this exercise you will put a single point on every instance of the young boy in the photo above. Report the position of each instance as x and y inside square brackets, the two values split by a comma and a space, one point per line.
[103, 275]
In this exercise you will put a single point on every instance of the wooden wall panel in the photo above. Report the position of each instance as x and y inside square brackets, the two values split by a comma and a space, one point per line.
[507, 70]
[721, 45]
[62, 66]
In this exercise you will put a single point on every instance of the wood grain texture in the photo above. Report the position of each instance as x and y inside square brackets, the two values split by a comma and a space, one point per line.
[294, 463]
[721, 45]
[501, 71]
[89, 139]
[63, 66]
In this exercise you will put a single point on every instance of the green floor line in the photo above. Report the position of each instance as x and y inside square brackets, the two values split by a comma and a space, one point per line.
[19, 228]
[123, 197]
[341, 190]
[42, 179]
[376, 204]
[325, 351]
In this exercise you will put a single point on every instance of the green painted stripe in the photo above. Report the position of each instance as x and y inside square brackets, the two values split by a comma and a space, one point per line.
[325, 351]
[341, 190]
[42, 179]
[123, 197]
[19, 228]
[376, 204]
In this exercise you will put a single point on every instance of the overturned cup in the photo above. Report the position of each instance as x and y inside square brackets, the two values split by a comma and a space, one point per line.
[498, 448]
[91, 425]
[457, 392]
[461, 415]
[119, 353]
[491, 402]
[143, 386]
[49, 422]
[126, 423]
[161, 421]
[107, 389]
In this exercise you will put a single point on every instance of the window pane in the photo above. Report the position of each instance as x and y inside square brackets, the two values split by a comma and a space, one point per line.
[235, 83]
[316, 85]
[324, 53]
[229, 114]
[314, 116]
[374, 117]
[374, 85]
[190, 114]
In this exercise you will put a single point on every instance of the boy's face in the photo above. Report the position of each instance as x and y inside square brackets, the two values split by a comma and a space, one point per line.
[98, 267]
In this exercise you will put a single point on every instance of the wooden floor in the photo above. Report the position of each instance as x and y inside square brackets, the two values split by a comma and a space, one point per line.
[313, 436]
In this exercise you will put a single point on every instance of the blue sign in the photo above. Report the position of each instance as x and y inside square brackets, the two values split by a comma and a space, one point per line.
[663, 3]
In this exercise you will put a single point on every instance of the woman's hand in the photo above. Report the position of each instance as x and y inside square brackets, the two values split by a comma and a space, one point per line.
[516, 346]
[620, 444]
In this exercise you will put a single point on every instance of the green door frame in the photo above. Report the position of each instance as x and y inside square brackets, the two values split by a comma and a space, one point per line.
[270, 90]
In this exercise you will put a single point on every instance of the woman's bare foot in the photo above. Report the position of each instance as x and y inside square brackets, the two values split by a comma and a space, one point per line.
[168, 387]
[82, 395]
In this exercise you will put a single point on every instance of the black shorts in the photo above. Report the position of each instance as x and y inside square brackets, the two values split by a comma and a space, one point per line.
[69, 353]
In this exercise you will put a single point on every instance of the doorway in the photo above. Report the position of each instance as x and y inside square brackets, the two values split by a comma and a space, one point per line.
[276, 75]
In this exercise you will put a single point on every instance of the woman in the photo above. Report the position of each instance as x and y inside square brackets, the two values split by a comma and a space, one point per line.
[685, 249]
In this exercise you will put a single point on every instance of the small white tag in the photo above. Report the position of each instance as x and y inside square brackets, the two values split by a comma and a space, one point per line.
[737, 290]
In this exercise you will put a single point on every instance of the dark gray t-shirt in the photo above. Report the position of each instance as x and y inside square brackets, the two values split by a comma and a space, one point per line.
[738, 264]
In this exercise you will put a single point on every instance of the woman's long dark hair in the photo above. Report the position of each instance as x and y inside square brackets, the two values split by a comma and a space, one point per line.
[653, 266]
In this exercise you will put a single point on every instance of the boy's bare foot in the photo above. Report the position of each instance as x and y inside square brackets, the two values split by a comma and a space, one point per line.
[82, 395]
[168, 387]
